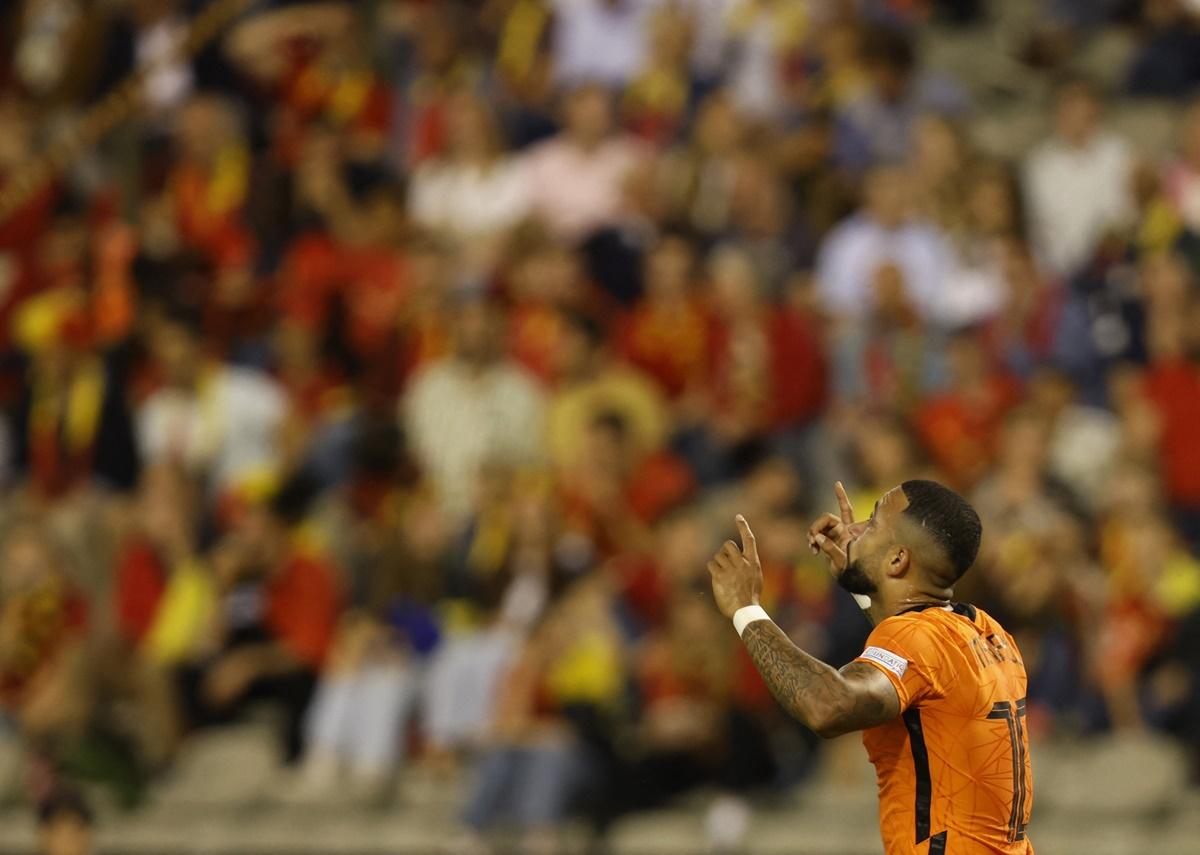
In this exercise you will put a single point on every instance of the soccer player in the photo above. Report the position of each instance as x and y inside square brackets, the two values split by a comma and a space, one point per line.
[939, 691]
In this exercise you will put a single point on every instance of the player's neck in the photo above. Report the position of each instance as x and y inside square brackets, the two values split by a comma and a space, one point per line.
[886, 604]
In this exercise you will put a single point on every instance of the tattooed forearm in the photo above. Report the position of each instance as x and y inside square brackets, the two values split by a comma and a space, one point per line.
[826, 700]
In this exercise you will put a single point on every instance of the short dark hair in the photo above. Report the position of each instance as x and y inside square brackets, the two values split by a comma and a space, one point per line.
[949, 519]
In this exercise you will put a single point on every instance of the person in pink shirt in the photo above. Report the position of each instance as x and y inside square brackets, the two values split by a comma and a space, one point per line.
[577, 179]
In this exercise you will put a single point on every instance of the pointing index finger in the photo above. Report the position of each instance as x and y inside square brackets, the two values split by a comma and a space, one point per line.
[749, 548]
[844, 507]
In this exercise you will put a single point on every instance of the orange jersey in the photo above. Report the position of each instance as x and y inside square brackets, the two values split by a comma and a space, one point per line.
[954, 771]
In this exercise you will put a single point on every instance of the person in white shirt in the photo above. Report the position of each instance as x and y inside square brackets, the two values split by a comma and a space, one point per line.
[472, 408]
[600, 40]
[1077, 183]
[883, 234]
[219, 421]
[474, 193]
[577, 179]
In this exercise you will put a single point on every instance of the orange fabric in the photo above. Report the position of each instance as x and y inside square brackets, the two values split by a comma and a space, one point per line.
[962, 692]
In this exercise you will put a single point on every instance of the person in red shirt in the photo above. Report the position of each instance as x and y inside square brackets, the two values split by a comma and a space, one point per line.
[207, 186]
[766, 380]
[1172, 386]
[666, 332]
[615, 490]
[961, 426]
[278, 609]
[163, 538]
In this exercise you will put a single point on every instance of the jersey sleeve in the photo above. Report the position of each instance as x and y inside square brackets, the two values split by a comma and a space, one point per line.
[909, 651]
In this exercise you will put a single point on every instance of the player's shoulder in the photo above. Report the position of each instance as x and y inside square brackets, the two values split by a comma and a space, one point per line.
[913, 628]
[986, 621]
[935, 625]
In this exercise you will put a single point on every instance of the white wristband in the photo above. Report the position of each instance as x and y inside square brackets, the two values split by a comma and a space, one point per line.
[747, 615]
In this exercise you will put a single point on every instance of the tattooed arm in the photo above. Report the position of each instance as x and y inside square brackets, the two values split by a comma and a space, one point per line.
[823, 699]
[828, 701]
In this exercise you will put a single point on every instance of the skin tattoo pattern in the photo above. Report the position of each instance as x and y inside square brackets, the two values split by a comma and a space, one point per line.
[822, 698]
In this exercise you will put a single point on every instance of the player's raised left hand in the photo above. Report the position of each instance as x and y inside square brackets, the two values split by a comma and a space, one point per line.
[736, 572]
[831, 535]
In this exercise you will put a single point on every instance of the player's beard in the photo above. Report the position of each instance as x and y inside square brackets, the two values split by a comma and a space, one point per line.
[855, 579]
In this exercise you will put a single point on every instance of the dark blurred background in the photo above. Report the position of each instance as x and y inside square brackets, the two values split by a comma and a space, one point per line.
[379, 376]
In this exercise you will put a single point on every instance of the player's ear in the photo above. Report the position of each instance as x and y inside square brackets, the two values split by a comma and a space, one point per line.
[897, 561]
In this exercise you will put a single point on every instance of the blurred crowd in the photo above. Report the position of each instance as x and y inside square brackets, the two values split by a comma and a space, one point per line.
[392, 370]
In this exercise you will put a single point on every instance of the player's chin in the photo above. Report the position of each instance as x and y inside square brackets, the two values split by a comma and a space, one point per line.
[854, 579]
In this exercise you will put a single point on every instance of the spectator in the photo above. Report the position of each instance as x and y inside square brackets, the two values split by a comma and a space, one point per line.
[165, 596]
[207, 416]
[590, 384]
[546, 280]
[666, 333]
[885, 231]
[470, 408]
[974, 289]
[208, 186]
[391, 543]
[474, 194]
[656, 102]
[891, 360]
[45, 626]
[960, 425]
[277, 609]
[570, 663]
[697, 179]
[1077, 182]
[505, 575]
[766, 36]
[1028, 329]
[615, 488]
[318, 425]
[577, 179]
[1082, 442]
[1170, 385]
[72, 426]
[877, 127]
[599, 40]
[766, 377]
[54, 689]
